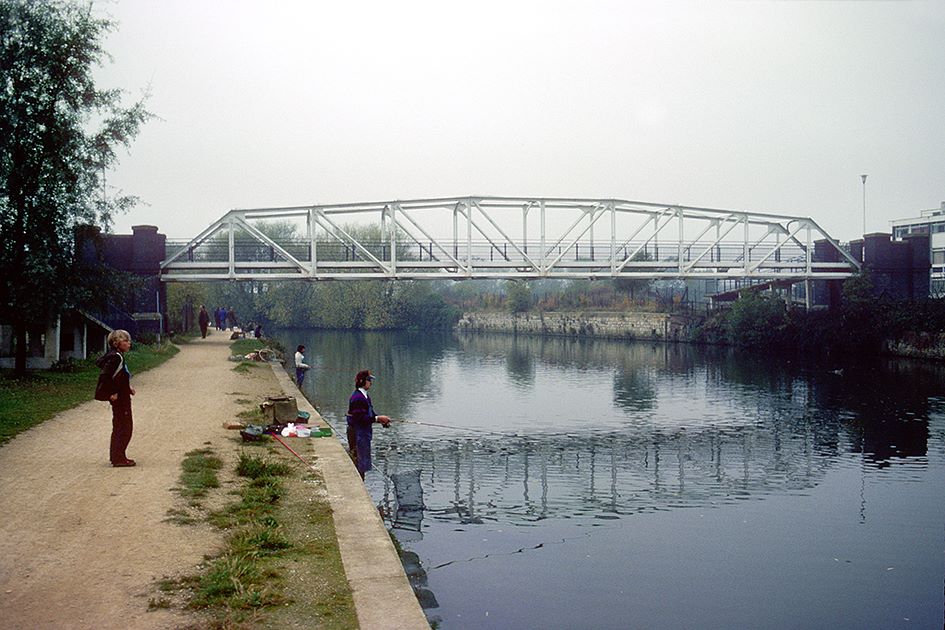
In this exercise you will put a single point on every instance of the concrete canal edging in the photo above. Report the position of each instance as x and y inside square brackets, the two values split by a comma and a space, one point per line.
[383, 597]
[598, 324]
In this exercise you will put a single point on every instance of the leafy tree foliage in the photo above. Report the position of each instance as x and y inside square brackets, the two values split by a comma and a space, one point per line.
[518, 296]
[58, 133]
[859, 326]
[756, 320]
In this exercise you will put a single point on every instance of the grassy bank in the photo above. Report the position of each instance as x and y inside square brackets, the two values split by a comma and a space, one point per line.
[30, 400]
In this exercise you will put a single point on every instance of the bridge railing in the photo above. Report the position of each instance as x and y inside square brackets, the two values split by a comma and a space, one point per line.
[251, 251]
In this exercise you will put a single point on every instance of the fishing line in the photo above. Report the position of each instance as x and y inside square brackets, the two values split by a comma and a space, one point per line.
[445, 426]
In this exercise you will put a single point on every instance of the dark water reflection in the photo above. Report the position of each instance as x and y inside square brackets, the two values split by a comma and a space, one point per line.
[613, 485]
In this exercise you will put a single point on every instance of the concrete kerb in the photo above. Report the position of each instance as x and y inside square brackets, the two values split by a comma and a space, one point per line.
[382, 594]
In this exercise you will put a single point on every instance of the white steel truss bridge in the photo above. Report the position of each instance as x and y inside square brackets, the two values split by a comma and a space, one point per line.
[506, 237]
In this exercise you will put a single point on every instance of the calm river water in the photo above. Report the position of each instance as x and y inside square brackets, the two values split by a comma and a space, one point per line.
[598, 484]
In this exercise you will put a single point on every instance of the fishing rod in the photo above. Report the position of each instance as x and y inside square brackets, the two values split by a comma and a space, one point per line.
[279, 440]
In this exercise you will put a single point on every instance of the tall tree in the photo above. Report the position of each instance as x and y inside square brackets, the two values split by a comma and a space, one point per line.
[518, 296]
[58, 134]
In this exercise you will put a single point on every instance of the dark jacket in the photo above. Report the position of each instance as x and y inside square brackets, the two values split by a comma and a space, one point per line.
[360, 410]
[114, 377]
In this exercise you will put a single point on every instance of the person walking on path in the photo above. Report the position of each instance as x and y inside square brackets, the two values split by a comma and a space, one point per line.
[204, 320]
[300, 366]
[361, 419]
[231, 318]
[115, 386]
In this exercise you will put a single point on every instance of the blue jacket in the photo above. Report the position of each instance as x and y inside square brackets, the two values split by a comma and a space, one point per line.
[360, 410]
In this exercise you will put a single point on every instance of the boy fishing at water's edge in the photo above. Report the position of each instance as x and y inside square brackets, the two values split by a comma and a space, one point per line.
[361, 419]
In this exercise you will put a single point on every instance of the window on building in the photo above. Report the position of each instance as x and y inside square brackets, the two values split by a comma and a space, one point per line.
[938, 257]
[938, 227]
[938, 288]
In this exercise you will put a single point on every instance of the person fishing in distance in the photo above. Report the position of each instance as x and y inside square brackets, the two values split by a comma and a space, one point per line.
[360, 420]
[300, 366]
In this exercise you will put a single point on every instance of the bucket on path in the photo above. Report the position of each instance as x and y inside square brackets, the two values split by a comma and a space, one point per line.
[280, 409]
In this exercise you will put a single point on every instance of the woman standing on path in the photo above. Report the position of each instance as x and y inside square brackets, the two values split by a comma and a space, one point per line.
[361, 419]
[114, 384]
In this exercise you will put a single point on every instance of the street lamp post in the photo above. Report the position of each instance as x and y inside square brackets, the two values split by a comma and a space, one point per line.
[863, 177]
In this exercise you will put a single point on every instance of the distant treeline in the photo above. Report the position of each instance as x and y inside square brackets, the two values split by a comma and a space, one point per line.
[350, 305]
[552, 295]
[420, 304]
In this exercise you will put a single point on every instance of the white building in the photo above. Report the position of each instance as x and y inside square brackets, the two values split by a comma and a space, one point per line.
[74, 334]
[931, 222]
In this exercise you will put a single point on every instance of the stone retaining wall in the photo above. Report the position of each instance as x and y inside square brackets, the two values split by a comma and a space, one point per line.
[656, 326]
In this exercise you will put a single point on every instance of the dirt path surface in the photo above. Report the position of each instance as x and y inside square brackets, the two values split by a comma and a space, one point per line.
[82, 543]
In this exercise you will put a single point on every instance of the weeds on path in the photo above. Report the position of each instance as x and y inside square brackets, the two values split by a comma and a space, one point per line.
[198, 475]
[244, 367]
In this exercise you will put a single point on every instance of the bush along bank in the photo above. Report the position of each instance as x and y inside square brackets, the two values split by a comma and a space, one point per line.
[862, 325]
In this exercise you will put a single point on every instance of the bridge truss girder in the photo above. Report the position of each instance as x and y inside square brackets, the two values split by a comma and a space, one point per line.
[508, 237]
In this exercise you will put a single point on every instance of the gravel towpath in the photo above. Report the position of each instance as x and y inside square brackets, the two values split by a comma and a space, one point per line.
[82, 543]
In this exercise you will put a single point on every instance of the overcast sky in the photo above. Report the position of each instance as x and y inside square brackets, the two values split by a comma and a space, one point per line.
[770, 107]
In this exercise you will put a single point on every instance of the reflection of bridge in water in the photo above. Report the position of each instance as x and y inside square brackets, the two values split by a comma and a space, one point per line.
[775, 431]
[516, 480]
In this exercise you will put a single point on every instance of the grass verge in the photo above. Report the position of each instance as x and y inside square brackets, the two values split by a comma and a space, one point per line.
[32, 399]
[245, 346]
[242, 347]
[280, 565]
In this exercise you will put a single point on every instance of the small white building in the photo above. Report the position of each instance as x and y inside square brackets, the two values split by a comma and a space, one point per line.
[931, 222]
[75, 335]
